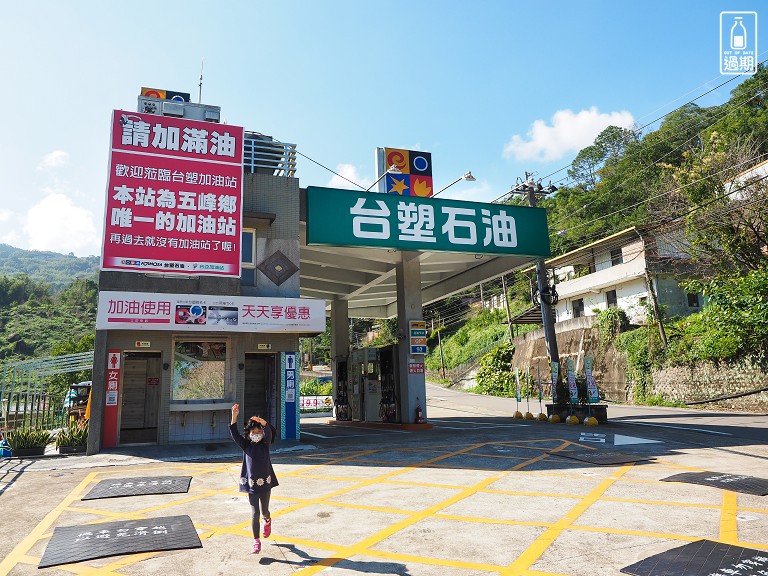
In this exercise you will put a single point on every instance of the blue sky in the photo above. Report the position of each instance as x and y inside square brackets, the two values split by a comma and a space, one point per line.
[498, 87]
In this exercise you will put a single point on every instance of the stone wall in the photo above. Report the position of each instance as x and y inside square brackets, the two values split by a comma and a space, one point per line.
[579, 337]
[576, 338]
[708, 380]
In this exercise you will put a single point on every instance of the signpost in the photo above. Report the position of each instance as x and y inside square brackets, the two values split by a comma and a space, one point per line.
[418, 336]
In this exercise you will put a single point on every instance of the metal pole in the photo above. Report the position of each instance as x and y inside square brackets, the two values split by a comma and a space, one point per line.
[546, 311]
[506, 307]
[440, 344]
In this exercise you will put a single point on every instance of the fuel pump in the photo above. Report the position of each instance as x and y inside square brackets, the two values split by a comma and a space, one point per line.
[389, 404]
[342, 393]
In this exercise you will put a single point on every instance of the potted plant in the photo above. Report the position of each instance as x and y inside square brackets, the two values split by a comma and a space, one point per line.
[73, 440]
[28, 441]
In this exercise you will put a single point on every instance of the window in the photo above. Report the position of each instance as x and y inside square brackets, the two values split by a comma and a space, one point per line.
[199, 370]
[610, 298]
[693, 300]
[578, 308]
[616, 257]
[249, 253]
[248, 258]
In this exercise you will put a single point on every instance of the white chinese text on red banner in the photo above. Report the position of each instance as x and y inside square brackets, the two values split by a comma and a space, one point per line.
[174, 196]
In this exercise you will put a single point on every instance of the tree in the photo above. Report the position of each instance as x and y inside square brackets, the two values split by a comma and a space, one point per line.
[604, 153]
[726, 217]
[82, 293]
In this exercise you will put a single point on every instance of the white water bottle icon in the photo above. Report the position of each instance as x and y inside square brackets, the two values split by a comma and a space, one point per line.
[738, 35]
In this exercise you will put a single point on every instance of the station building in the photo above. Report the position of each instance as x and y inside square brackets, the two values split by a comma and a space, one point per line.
[216, 262]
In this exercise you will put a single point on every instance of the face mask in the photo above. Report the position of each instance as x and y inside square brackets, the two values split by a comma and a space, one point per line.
[256, 436]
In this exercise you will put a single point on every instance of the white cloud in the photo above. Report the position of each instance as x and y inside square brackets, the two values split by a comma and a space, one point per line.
[568, 132]
[348, 171]
[53, 160]
[57, 225]
[5, 215]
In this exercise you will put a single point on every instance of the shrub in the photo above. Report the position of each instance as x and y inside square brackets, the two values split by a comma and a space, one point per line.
[610, 323]
[75, 435]
[495, 376]
[316, 387]
[27, 437]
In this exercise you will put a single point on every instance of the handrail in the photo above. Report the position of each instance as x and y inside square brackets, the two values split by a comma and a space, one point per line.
[263, 154]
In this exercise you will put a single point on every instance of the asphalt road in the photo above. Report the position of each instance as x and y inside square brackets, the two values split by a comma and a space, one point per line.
[479, 493]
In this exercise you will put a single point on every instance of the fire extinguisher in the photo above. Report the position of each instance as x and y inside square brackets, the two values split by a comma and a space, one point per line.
[419, 413]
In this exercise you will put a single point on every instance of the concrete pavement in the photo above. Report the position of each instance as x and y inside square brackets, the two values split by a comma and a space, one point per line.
[480, 493]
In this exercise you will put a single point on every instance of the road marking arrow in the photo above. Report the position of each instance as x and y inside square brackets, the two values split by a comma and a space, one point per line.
[620, 440]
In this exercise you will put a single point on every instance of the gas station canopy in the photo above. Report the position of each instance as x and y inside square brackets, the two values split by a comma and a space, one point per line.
[352, 242]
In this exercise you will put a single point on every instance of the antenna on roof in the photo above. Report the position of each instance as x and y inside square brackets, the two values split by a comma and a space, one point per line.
[200, 84]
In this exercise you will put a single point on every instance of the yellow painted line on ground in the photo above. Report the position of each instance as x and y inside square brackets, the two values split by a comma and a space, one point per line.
[539, 494]
[186, 500]
[640, 481]
[729, 529]
[659, 502]
[483, 520]
[363, 547]
[760, 545]
[545, 540]
[26, 544]
[334, 478]
[369, 508]
[370, 481]
[423, 484]
[110, 513]
[755, 510]
[626, 532]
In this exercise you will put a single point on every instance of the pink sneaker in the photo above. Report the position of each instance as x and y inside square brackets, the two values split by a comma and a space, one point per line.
[256, 546]
[267, 527]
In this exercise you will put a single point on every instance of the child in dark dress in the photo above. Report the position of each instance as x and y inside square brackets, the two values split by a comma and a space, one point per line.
[257, 477]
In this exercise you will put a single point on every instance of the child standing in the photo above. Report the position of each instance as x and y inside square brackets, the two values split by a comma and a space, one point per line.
[257, 477]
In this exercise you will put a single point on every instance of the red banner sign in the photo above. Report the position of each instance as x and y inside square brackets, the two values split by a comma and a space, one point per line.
[112, 394]
[174, 196]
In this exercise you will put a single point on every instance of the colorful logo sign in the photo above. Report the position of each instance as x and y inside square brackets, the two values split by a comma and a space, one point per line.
[415, 178]
[165, 94]
[174, 196]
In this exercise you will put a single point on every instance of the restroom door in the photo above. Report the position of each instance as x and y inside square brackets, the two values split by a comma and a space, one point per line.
[141, 394]
[259, 385]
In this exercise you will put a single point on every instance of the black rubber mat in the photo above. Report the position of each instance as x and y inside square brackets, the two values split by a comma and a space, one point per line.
[703, 558]
[602, 457]
[118, 487]
[735, 482]
[77, 543]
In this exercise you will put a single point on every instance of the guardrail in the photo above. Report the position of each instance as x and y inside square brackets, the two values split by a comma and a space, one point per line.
[34, 410]
[264, 155]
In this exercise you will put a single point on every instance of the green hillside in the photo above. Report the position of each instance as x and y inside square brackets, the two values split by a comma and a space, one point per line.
[56, 270]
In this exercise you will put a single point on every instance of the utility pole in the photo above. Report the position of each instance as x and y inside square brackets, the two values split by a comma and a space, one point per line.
[506, 306]
[547, 297]
[440, 344]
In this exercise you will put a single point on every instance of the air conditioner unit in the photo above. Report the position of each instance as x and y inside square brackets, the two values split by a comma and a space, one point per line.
[149, 105]
[188, 110]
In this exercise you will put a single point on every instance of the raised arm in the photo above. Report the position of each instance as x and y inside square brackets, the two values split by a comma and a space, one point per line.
[233, 432]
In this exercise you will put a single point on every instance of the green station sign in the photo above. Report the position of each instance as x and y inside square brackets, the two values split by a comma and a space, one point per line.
[367, 219]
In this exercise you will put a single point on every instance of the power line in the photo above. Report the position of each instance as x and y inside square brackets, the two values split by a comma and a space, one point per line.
[638, 131]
